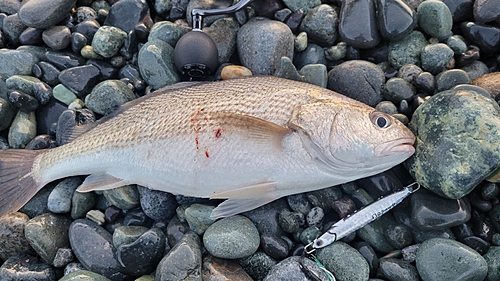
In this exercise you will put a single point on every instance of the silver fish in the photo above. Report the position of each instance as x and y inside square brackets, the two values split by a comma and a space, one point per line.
[250, 140]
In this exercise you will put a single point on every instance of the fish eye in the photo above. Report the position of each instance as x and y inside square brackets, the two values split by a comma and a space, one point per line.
[380, 120]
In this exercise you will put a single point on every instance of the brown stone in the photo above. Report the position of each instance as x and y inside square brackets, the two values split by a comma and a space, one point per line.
[215, 269]
[489, 82]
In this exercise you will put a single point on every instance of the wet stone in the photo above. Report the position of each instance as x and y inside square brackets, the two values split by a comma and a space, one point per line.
[6, 114]
[26, 267]
[274, 246]
[320, 24]
[406, 50]
[81, 203]
[369, 254]
[198, 217]
[435, 18]
[396, 269]
[266, 217]
[63, 60]
[395, 18]
[44, 13]
[293, 268]
[486, 37]
[125, 197]
[57, 37]
[136, 217]
[477, 244]
[83, 275]
[232, 238]
[486, 11]
[279, 43]
[409, 72]
[435, 57]
[156, 204]
[46, 234]
[127, 234]
[87, 28]
[107, 96]
[22, 129]
[49, 73]
[31, 36]
[492, 258]
[471, 136]
[60, 198]
[93, 247]
[374, 234]
[81, 79]
[489, 190]
[126, 14]
[289, 221]
[397, 89]
[360, 80]
[12, 239]
[436, 260]
[38, 204]
[283, 14]
[149, 246]
[108, 40]
[358, 24]
[23, 101]
[156, 64]
[14, 62]
[183, 261]
[12, 28]
[451, 78]
[175, 230]
[339, 257]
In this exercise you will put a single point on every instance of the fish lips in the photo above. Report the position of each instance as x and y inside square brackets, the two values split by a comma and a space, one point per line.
[398, 146]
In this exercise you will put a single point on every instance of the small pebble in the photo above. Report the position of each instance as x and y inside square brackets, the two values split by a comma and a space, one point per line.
[57, 37]
[235, 71]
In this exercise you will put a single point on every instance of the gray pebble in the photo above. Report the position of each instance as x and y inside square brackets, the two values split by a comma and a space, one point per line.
[387, 107]
[320, 24]
[289, 221]
[300, 42]
[84, 13]
[6, 114]
[407, 50]
[108, 96]
[12, 238]
[315, 217]
[299, 203]
[360, 80]
[10, 6]
[451, 78]
[304, 5]
[63, 257]
[232, 238]
[324, 197]
[127, 234]
[166, 31]
[57, 37]
[63, 94]
[60, 198]
[14, 62]
[396, 269]
[397, 89]
[125, 197]
[22, 129]
[257, 265]
[223, 32]
[22, 83]
[374, 234]
[26, 267]
[309, 234]
[83, 275]
[198, 217]
[457, 44]
[315, 74]
[286, 69]
[44, 13]
[183, 261]
[344, 261]
[434, 17]
[156, 64]
[157, 205]
[13, 27]
[46, 234]
[409, 72]
[261, 44]
[313, 54]
[293, 268]
[81, 203]
[476, 69]
[42, 92]
[435, 57]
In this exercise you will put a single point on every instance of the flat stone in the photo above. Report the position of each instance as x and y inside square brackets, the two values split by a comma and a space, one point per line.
[444, 142]
[31, 36]
[451, 78]
[47, 233]
[395, 19]
[14, 62]
[397, 89]
[198, 217]
[166, 31]
[156, 63]
[293, 268]
[44, 13]
[80, 79]
[183, 261]
[13, 27]
[486, 11]
[486, 37]
[12, 239]
[476, 69]
[63, 60]
[261, 44]
[10, 6]
[313, 54]
[23, 101]
[286, 69]
[437, 260]
[316, 74]
[434, 18]
[360, 80]
[232, 238]
[63, 94]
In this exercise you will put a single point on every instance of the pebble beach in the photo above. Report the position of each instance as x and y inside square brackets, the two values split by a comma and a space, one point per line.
[434, 65]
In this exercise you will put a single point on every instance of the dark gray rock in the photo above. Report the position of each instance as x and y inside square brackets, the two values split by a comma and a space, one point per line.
[486, 11]
[492, 258]
[261, 44]
[345, 261]
[14, 62]
[304, 5]
[63, 60]
[437, 260]
[126, 14]
[157, 205]
[31, 36]
[358, 24]
[26, 267]
[156, 64]
[81, 203]
[183, 261]
[81, 79]
[57, 37]
[434, 18]
[6, 114]
[396, 269]
[257, 265]
[293, 268]
[44, 13]
[407, 49]
[166, 31]
[452, 128]
[360, 80]
[10, 6]
[198, 217]
[108, 95]
[395, 18]
[274, 246]
[223, 32]
[451, 78]
[374, 234]
[286, 69]
[313, 54]
[486, 37]
[13, 27]
[46, 234]
[49, 73]
[397, 89]
[12, 239]
[320, 24]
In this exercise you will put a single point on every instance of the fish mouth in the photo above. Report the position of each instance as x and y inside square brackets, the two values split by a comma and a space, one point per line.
[397, 146]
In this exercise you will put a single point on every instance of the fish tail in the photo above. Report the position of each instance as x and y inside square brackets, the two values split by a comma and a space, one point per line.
[17, 184]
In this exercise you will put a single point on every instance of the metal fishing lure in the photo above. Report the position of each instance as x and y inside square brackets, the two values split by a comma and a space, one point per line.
[360, 218]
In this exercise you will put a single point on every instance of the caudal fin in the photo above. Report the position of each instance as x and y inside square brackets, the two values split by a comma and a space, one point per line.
[17, 185]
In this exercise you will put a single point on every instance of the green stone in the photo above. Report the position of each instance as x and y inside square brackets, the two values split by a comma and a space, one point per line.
[315, 74]
[125, 197]
[108, 95]
[344, 261]
[374, 234]
[6, 114]
[336, 52]
[89, 53]
[108, 40]
[166, 31]
[63, 94]
[457, 44]
[451, 78]
[156, 64]
[81, 203]
[83, 275]
[13, 62]
[22, 129]
[407, 50]
[198, 217]
[300, 42]
[286, 69]
[435, 19]
[457, 143]
[449, 260]
[492, 258]
[257, 265]
[96, 216]
[127, 234]
[22, 83]
[435, 57]
[304, 5]
[309, 234]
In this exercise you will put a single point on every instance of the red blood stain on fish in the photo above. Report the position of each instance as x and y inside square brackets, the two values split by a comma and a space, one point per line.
[195, 124]
[206, 153]
[218, 133]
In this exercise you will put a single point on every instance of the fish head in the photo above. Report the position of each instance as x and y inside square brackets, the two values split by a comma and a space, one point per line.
[352, 138]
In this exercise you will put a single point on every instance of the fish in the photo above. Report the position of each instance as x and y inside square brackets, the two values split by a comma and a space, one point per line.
[249, 141]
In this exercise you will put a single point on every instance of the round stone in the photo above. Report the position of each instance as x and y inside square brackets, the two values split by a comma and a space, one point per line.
[45, 13]
[397, 89]
[83, 275]
[183, 261]
[232, 238]
[457, 44]
[156, 64]
[166, 31]
[451, 78]
[108, 95]
[435, 57]
[407, 49]
[156, 204]
[234, 71]
[223, 32]
[320, 25]
[60, 197]
[125, 197]
[437, 260]
[434, 18]
[57, 37]
[345, 261]
[198, 217]
[396, 269]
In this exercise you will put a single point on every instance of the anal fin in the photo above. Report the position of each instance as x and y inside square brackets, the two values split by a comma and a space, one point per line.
[100, 182]
[246, 191]
[235, 206]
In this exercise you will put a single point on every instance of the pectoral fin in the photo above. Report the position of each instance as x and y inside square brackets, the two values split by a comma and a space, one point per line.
[100, 182]
[235, 206]
[246, 191]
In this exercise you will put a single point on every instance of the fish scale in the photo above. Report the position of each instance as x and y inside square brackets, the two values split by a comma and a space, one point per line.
[249, 140]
